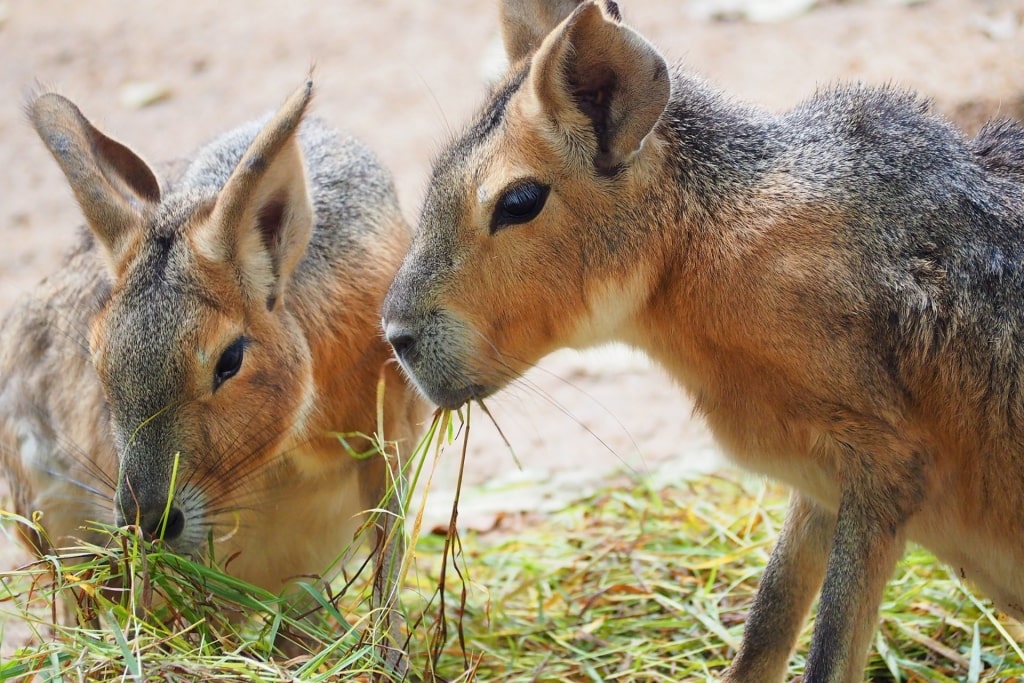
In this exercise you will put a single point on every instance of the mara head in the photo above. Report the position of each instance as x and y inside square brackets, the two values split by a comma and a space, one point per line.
[527, 241]
[207, 375]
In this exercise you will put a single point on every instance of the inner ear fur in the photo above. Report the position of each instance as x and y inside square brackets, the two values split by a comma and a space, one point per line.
[593, 72]
[263, 218]
[113, 186]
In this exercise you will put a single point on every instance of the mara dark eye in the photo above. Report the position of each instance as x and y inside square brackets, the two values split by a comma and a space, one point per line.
[519, 204]
[230, 362]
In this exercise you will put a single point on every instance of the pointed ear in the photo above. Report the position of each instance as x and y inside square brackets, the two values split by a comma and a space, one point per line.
[525, 23]
[593, 73]
[263, 217]
[113, 186]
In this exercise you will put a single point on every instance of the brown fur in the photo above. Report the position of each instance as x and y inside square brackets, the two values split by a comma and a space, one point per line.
[279, 239]
[838, 287]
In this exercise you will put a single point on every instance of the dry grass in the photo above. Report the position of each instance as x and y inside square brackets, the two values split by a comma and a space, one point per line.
[634, 584]
[653, 585]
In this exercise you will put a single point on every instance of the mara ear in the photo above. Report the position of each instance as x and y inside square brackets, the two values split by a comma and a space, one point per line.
[114, 188]
[525, 23]
[263, 217]
[594, 73]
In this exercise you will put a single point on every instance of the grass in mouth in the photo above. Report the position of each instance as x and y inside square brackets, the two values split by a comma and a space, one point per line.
[636, 583]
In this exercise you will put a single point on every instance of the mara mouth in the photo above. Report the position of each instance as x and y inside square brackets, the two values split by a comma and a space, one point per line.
[453, 398]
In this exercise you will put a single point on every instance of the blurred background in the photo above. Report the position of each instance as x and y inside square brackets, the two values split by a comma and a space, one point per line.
[404, 76]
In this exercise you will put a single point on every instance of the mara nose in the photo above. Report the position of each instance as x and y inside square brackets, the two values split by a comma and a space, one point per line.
[402, 341]
[154, 525]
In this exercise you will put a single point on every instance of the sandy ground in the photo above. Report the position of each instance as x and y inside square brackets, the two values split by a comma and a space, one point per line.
[402, 76]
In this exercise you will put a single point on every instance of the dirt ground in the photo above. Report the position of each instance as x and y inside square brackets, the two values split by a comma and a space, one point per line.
[402, 76]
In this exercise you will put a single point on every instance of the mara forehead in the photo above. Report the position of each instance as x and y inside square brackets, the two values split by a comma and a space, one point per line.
[162, 298]
[484, 127]
[496, 150]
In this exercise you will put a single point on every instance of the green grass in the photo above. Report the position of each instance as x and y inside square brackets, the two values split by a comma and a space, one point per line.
[633, 584]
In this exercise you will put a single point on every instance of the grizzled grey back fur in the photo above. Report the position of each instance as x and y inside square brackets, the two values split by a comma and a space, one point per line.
[931, 222]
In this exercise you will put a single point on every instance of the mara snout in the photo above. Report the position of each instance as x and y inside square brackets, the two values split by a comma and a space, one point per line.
[191, 369]
[839, 287]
